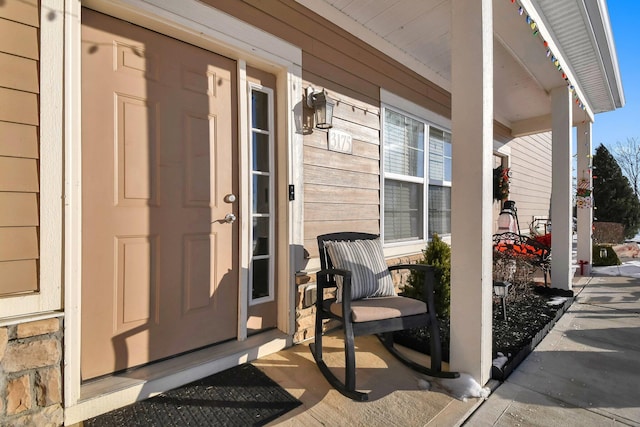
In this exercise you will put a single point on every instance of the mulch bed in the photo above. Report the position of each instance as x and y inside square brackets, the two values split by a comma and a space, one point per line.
[529, 318]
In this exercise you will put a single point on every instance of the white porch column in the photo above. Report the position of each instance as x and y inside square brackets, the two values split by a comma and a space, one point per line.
[471, 201]
[585, 211]
[561, 218]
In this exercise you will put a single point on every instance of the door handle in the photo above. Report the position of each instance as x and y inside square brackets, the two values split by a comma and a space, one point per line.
[229, 218]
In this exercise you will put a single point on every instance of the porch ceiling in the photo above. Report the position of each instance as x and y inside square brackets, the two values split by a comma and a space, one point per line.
[417, 33]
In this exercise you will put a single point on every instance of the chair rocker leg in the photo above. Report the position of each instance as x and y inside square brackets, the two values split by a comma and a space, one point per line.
[333, 380]
[435, 371]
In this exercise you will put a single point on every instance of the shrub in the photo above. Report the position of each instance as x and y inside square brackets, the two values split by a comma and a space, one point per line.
[608, 232]
[438, 255]
[611, 257]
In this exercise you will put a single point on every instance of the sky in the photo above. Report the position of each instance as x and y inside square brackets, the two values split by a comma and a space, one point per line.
[619, 125]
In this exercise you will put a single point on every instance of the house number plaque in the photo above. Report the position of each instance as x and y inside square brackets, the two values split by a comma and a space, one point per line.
[340, 141]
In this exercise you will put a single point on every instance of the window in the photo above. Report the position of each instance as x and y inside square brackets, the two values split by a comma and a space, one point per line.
[412, 178]
[439, 181]
[262, 195]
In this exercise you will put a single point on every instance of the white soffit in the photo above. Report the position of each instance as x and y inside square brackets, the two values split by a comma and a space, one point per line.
[417, 33]
[582, 32]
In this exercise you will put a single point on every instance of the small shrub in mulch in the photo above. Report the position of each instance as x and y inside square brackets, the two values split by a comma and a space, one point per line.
[604, 255]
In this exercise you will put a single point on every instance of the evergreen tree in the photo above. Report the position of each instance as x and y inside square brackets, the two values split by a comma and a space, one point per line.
[613, 195]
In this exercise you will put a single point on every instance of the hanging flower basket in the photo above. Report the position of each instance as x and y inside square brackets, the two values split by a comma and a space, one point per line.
[501, 183]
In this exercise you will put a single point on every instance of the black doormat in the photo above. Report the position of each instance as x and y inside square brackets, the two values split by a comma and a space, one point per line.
[240, 396]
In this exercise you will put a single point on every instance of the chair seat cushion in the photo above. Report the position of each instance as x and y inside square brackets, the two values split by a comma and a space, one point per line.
[370, 276]
[379, 308]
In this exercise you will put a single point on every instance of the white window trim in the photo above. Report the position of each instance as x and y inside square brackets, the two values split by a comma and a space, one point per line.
[417, 112]
[49, 296]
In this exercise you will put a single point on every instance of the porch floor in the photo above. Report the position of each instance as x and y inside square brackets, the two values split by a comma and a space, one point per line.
[395, 398]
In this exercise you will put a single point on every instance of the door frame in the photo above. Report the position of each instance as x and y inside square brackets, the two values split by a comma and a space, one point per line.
[187, 21]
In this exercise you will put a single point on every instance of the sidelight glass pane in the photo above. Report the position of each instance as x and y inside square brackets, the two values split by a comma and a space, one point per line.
[260, 285]
[260, 194]
[259, 110]
[260, 152]
[261, 236]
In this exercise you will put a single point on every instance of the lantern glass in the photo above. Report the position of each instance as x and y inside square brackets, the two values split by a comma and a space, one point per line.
[501, 289]
[603, 252]
[323, 110]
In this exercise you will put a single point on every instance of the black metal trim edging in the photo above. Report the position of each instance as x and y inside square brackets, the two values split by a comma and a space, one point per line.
[501, 374]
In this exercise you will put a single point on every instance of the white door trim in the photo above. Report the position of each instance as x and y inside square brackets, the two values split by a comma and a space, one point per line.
[196, 23]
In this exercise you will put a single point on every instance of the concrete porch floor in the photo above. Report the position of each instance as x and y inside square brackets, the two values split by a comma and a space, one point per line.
[584, 372]
[395, 398]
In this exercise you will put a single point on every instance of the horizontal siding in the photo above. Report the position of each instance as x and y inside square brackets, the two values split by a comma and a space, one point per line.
[19, 73]
[18, 106]
[19, 147]
[18, 39]
[313, 229]
[18, 276]
[18, 140]
[18, 209]
[530, 184]
[21, 11]
[18, 174]
[317, 174]
[18, 243]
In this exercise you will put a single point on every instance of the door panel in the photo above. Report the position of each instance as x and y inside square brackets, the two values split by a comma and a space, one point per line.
[159, 153]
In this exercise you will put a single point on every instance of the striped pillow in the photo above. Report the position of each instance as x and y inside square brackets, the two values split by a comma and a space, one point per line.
[370, 276]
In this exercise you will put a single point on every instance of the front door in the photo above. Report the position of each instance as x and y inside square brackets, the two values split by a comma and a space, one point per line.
[159, 166]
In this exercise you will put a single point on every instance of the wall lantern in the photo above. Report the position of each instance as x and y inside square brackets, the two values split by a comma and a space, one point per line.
[603, 253]
[501, 289]
[322, 106]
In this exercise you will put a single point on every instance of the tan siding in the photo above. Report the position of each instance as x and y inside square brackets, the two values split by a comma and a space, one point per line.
[22, 11]
[530, 184]
[314, 156]
[18, 73]
[18, 276]
[18, 39]
[19, 146]
[17, 140]
[343, 195]
[340, 212]
[19, 107]
[18, 174]
[316, 174]
[18, 243]
[313, 229]
[18, 209]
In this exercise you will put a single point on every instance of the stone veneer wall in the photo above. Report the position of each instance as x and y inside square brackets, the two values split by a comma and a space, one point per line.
[30, 374]
[306, 297]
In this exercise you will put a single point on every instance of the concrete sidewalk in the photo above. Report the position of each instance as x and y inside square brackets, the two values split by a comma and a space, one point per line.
[585, 372]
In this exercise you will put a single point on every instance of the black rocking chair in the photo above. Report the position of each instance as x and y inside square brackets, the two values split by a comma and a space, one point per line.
[373, 315]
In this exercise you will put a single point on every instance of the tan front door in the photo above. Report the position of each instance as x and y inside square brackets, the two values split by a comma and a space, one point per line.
[159, 270]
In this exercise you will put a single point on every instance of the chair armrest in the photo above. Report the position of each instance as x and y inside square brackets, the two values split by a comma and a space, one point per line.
[421, 267]
[322, 277]
[322, 283]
